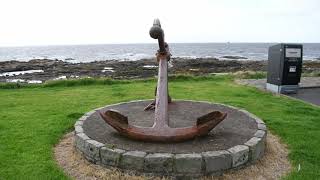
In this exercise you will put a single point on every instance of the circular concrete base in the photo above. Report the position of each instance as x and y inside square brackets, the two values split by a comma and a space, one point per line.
[235, 142]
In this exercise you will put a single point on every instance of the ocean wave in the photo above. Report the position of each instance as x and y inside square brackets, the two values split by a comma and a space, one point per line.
[16, 73]
[133, 52]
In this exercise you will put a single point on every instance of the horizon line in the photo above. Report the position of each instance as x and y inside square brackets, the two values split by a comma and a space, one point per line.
[86, 44]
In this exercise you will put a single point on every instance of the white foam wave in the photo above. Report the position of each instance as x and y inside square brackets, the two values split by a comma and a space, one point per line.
[34, 82]
[15, 80]
[16, 73]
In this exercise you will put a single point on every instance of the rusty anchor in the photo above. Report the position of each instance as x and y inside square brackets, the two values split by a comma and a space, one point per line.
[160, 131]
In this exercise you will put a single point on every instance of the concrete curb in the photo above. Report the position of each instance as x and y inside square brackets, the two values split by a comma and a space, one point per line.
[168, 164]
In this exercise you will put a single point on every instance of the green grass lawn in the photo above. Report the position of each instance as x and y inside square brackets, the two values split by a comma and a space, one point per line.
[34, 118]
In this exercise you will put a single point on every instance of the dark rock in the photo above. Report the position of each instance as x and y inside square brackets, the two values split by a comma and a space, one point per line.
[133, 69]
[69, 59]
[234, 57]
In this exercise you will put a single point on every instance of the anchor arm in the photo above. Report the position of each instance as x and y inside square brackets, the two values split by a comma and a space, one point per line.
[162, 133]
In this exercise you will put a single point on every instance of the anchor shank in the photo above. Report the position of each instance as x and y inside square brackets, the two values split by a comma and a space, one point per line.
[161, 108]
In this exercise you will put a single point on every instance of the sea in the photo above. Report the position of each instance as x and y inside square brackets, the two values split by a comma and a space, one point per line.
[133, 52]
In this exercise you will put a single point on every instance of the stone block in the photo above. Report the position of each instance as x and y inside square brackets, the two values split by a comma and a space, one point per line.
[262, 127]
[111, 157]
[92, 150]
[261, 134]
[240, 154]
[98, 109]
[159, 162]
[259, 121]
[79, 141]
[78, 123]
[188, 163]
[217, 161]
[78, 129]
[90, 113]
[256, 118]
[256, 148]
[133, 160]
[83, 118]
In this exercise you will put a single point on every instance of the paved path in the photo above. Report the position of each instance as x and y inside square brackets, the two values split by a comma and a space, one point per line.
[311, 95]
[309, 92]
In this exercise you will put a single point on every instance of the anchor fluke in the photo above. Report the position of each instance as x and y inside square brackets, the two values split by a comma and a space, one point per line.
[207, 122]
[115, 119]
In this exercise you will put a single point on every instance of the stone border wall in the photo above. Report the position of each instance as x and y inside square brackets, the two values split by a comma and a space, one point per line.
[167, 164]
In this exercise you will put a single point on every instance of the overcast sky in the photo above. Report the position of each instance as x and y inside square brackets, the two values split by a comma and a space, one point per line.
[49, 22]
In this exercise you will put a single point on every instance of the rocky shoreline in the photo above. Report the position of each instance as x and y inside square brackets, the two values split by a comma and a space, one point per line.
[47, 69]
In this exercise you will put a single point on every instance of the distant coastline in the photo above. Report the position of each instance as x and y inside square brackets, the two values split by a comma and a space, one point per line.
[41, 70]
[38, 64]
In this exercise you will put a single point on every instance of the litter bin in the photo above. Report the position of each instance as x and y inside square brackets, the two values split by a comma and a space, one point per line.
[284, 68]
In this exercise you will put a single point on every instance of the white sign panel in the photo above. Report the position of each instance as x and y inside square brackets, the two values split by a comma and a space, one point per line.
[292, 69]
[293, 52]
